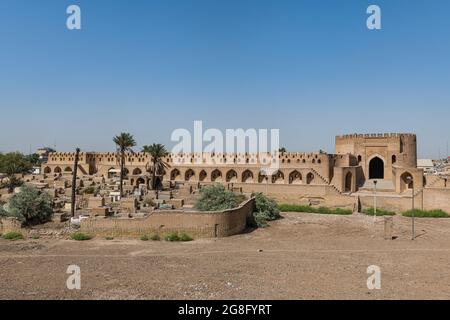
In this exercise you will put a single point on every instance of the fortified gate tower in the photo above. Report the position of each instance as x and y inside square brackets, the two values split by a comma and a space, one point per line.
[385, 156]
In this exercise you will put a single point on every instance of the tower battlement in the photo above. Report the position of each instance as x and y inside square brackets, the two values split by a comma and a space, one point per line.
[374, 135]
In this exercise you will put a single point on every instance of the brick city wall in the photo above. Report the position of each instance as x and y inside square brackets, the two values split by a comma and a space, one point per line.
[195, 223]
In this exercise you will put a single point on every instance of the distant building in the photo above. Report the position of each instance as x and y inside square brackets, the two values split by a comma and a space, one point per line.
[427, 165]
[43, 153]
[36, 170]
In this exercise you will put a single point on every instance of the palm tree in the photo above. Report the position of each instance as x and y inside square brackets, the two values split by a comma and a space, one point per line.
[157, 151]
[12, 180]
[124, 142]
[74, 180]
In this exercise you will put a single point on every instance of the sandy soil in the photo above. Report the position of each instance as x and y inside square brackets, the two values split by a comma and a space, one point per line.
[303, 256]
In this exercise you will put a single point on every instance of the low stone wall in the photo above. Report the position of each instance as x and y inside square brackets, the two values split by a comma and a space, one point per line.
[391, 203]
[9, 224]
[435, 198]
[277, 190]
[197, 224]
[428, 199]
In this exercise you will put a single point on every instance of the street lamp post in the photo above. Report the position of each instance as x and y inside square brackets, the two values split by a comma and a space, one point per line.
[374, 199]
[409, 180]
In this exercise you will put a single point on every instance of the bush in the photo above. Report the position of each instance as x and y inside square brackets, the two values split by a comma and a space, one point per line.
[155, 237]
[216, 198]
[79, 236]
[267, 206]
[295, 208]
[426, 213]
[30, 206]
[172, 237]
[3, 212]
[90, 190]
[144, 237]
[265, 210]
[185, 237]
[35, 237]
[109, 238]
[380, 212]
[309, 209]
[13, 235]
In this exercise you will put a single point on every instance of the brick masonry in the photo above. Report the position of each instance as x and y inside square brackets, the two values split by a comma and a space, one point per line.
[9, 224]
[195, 223]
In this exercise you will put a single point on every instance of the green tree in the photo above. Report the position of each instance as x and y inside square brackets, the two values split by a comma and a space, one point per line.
[13, 164]
[216, 198]
[11, 181]
[124, 143]
[30, 206]
[33, 159]
[157, 152]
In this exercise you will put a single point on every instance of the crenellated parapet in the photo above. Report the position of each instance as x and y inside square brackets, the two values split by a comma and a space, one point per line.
[375, 135]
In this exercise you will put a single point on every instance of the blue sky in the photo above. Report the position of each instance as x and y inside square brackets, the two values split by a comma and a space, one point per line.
[310, 68]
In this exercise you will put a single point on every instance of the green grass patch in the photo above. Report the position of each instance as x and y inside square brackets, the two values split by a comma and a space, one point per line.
[80, 236]
[109, 238]
[426, 213]
[185, 237]
[35, 237]
[155, 237]
[380, 212]
[309, 209]
[13, 235]
[172, 237]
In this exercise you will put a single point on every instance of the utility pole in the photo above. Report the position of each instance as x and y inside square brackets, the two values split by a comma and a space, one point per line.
[74, 181]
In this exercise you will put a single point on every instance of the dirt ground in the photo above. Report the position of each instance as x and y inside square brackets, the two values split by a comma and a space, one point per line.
[302, 256]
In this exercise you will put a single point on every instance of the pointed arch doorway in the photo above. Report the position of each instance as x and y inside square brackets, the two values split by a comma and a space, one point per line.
[376, 168]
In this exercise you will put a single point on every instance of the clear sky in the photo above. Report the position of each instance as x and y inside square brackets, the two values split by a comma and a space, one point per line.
[310, 68]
